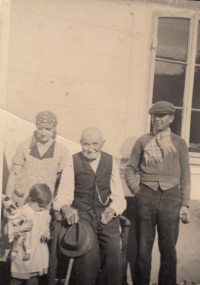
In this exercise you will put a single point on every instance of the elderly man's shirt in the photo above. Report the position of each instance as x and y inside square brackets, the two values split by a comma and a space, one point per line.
[66, 187]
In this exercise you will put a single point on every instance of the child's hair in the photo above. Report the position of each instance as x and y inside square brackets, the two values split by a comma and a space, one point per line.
[41, 194]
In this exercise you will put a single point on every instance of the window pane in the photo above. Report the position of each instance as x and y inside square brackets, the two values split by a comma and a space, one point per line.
[195, 132]
[176, 125]
[169, 83]
[173, 38]
[198, 46]
[196, 89]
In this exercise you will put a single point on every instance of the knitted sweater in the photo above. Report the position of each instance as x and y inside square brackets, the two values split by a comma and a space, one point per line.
[174, 168]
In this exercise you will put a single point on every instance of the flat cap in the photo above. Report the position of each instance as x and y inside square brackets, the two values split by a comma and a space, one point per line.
[162, 107]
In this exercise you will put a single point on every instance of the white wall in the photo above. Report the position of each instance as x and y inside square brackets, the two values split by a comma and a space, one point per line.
[73, 58]
[87, 61]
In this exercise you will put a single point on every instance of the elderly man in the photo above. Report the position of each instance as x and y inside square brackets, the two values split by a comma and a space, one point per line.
[163, 195]
[97, 193]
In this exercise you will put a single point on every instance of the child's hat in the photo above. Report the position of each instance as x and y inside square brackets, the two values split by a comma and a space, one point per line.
[10, 207]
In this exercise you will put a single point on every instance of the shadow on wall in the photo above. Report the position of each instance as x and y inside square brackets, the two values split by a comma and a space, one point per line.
[125, 151]
[126, 147]
[132, 244]
[6, 173]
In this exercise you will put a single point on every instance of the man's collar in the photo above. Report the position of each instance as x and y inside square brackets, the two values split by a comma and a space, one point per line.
[92, 160]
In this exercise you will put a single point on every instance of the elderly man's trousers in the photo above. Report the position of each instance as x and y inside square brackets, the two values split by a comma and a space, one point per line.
[159, 209]
[102, 264]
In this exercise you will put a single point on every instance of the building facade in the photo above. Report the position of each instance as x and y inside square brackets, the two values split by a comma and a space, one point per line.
[100, 63]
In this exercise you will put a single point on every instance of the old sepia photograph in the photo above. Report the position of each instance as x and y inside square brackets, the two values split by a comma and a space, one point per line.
[100, 142]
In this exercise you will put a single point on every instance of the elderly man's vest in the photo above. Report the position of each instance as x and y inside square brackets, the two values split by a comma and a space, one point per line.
[92, 190]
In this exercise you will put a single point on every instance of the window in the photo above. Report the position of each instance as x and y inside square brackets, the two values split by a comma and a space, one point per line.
[176, 73]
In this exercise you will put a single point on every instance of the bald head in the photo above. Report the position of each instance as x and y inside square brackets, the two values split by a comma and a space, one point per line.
[92, 132]
[92, 142]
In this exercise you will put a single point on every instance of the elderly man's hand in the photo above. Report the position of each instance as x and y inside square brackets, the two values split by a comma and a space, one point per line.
[185, 215]
[70, 214]
[107, 215]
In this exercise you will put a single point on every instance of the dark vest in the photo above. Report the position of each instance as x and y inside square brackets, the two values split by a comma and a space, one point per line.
[92, 190]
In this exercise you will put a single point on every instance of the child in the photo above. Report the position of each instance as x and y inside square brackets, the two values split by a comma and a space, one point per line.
[35, 210]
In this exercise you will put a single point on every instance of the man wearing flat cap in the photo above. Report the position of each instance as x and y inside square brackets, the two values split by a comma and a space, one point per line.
[161, 157]
[97, 196]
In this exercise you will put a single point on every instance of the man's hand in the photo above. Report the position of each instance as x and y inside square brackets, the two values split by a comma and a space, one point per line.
[70, 214]
[25, 227]
[107, 215]
[185, 215]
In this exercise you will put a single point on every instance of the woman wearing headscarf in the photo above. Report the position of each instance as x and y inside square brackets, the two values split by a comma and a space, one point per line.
[39, 159]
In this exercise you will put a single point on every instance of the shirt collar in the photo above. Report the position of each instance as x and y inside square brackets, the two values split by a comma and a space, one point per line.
[31, 211]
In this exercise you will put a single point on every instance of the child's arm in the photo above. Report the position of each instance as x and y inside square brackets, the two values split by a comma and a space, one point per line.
[25, 227]
[27, 245]
[10, 231]
[13, 230]
[46, 235]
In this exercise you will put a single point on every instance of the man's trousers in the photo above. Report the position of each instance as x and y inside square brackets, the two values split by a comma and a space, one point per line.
[159, 209]
[102, 264]
[32, 281]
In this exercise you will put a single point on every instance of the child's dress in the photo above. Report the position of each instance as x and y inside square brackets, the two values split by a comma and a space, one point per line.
[38, 263]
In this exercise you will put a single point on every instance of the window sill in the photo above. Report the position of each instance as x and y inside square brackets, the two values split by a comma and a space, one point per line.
[194, 158]
[194, 154]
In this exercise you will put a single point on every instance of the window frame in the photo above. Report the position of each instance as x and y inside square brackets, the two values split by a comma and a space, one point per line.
[190, 70]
